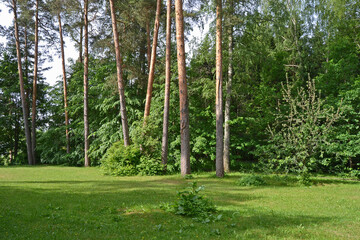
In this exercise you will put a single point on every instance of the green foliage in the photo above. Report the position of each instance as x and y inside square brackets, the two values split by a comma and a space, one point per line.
[147, 136]
[150, 166]
[127, 161]
[304, 179]
[120, 160]
[300, 133]
[191, 203]
[355, 173]
[271, 39]
[251, 180]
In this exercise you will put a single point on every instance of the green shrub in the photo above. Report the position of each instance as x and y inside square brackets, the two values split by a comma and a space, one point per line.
[120, 160]
[251, 180]
[149, 166]
[301, 132]
[355, 172]
[190, 203]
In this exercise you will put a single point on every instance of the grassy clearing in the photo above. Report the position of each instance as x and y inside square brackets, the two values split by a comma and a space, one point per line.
[81, 203]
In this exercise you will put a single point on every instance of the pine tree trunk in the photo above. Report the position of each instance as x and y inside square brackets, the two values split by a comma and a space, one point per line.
[16, 136]
[22, 90]
[228, 99]
[81, 42]
[33, 110]
[148, 42]
[184, 104]
[26, 79]
[64, 86]
[164, 148]
[219, 102]
[86, 68]
[152, 62]
[124, 121]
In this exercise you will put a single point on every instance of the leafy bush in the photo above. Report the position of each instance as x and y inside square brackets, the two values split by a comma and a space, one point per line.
[191, 204]
[126, 161]
[149, 166]
[251, 180]
[355, 173]
[120, 160]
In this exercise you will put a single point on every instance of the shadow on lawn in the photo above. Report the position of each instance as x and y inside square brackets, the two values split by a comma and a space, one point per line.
[133, 213]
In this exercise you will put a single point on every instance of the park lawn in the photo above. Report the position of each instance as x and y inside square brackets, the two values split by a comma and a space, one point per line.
[80, 203]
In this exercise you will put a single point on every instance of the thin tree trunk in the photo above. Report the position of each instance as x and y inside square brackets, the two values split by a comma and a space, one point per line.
[26, 63]
[16, 136]
[184, 104]
[86, 68]
[152, 62]
[33, 109]
[124, 121]
[81, 43]
[164, 148]
[219, 102]
[11, 153]
[64, 86]
[22, 90]
[148, 42]
[226, 156]
[26, 70]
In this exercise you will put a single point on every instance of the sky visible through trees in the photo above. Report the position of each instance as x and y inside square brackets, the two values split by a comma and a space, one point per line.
[52, 75]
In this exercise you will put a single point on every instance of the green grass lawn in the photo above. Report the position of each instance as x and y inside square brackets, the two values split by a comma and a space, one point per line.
[81, 203]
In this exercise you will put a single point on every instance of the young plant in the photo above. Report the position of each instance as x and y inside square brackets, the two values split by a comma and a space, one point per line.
[191, 203]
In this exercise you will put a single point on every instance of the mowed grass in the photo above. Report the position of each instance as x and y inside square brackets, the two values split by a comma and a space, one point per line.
[81, 203]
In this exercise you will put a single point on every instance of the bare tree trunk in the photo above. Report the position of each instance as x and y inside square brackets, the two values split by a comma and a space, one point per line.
[81, 43]
[148, 42]
[86, 84]
[164, 148]
[22, 90]
[16, 136]
[11, 153]
[184, 104]
[226, 156]
[64, 86]
[219, 102]
[124, 121]
[26, 70]
[26, 63]
[33, 109]
[152, 62]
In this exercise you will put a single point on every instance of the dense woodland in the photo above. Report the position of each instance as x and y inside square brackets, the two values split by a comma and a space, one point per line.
[273, 83]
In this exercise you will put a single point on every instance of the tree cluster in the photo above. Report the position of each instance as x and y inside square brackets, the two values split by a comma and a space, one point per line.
[245, 93]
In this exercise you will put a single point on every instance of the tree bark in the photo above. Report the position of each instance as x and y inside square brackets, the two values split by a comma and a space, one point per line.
[34, 96]
[226, 156]
[152, 62]
[124, 121]
[16, 136]
[81, 43]
[86, 68]
[219, 102]
[26, 65]
[64, 86]
[22, 90]
[148, 42]
[184, 104]
[165, 137]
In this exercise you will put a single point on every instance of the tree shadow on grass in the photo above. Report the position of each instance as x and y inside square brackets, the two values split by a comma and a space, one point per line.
[130, 213]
